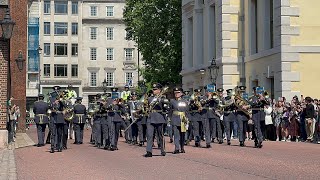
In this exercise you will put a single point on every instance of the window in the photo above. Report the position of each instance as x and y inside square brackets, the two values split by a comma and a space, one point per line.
[61, 7]
[46, 28]
[74, 28]
[110, 79]
[46, 49]
[109, 54]
[74, 49]
[93, 54]
[254, 27]
[93, 79]
[46, 7]
[46, 70]
[60, 28]
[74, 70]
[93, 33]
[93, 10]
[128, 54]
[128, 78]
[109, 33]
[74, 7]
[60, 49]
[109, 11]
[60, 70]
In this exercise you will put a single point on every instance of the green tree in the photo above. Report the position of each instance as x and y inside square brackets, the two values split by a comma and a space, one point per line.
[155, 25]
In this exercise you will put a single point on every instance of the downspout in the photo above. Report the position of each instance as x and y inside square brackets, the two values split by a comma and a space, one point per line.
[242, 51]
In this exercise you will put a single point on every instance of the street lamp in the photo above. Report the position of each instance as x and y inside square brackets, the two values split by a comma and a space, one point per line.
[104, 85]
[214, 71]
[39, 70]
[7, 25]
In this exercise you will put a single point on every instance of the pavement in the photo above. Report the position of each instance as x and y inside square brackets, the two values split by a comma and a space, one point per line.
[276, 160]
[8, 169]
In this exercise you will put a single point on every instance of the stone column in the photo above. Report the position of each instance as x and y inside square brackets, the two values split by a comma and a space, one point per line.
[197, 35]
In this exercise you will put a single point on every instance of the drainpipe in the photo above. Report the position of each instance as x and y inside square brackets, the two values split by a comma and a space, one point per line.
[242, 52]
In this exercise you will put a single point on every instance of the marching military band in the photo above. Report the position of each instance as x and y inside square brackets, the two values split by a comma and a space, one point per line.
[197, 117]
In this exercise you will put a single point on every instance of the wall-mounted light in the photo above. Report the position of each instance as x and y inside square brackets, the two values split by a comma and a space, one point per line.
[20, 61]
[7, 25]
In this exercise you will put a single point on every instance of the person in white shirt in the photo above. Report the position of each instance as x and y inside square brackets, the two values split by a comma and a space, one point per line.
[269, 123]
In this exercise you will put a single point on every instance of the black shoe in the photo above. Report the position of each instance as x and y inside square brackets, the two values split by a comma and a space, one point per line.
[220, 142]
[176, 152]
[106, 147]
[159, 146]
[260, 145]
[140, 144]
[163, 153]
[51, 150]
[75, 143]
[171, 141]
[183, 151]
[241, 144]
[59, 150]
[48, 142]
[208, 146]
[64, 147]
[197, 144]
[256, 144]
[112, 148]
[135, 142]
[229, 143]
[81, 142]
[38, 145]
[149, 154]
[212, 140]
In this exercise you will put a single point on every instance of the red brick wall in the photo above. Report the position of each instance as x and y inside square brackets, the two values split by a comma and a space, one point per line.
[3, 83]
[19, 43]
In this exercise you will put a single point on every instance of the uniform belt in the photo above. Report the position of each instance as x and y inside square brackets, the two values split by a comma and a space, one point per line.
[80, 117]
[59, 111]
[208, 108]
[178, 113]
[228, 111]
[41, 115]
[156, 111]
[257, 109]
[79, 114]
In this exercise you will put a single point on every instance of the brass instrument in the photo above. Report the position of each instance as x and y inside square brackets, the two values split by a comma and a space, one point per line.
[197, 101]
[239, 102]
[156, 99]
[68, 111]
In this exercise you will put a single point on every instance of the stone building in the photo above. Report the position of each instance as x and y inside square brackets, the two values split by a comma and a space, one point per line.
[83, 43]
[269, 43]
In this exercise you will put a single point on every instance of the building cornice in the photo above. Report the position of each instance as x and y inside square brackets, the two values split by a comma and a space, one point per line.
[109, 69]
[104, 1]
[102, 21]
[93, 68]
[61, 82]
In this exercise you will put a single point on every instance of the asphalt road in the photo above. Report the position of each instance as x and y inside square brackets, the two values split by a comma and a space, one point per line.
[276, 160]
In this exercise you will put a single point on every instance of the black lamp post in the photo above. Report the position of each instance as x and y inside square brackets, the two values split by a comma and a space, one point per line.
[20, 61]
[214, 71]
[39, 70]
[104, 85]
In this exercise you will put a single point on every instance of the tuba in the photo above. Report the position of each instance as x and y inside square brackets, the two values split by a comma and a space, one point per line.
[68, 111]
[239, 102]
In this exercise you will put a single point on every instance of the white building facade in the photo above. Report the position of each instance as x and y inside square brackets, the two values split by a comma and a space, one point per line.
[83, 43]
[249, 39]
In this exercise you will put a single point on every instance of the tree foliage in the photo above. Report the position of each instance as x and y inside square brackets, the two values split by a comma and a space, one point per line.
[155, 25]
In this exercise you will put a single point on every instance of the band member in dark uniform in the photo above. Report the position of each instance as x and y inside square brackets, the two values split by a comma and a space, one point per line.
[156, 120]
[79, 120]
[195, 116]
[257, 103]
[58, 120]
[135, 114]
[179, 119]
[41, 118]
[115, 114]
[52, 98]
[242, 118]
[229, 116]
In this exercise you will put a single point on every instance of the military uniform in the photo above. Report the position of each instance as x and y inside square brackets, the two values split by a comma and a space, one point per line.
[41, 118]
[179, 120]
[133, 104]
[58, 120]
[242, 119]
[115, 112]
[79, 120]
[155, 122]
[229, 116]
[257, 108]
[196, 120]
[97, 120]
